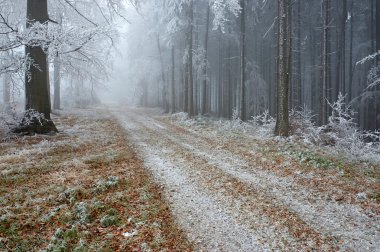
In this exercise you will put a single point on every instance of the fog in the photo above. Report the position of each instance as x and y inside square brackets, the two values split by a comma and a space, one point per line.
[214, 58]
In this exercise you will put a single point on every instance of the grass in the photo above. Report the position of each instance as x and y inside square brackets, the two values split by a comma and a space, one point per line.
[81, 190]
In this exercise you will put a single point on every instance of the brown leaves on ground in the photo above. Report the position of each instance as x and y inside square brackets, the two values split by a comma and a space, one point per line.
[81, 190]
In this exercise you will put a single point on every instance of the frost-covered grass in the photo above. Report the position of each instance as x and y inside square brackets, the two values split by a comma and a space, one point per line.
[80, 190]
[338, 149]
[340, 137]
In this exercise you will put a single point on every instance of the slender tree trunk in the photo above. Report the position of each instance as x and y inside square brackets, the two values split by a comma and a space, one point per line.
[325, 61]
[298, 72]
[190, 63]
[204, 86]
[284, 49]
[229, 81]
[37, 91]
[186, 88]
[343, 48]
[173, 81]
[57, 83]
[377, 89]
[242, 113]
[378, 29]
[350, 64]
[7, 92]
[165, 103]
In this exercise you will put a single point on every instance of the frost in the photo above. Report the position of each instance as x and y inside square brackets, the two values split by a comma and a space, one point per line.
[106, 184]
[361, 196]
[82, 213]
[130, 234]
[221, 9]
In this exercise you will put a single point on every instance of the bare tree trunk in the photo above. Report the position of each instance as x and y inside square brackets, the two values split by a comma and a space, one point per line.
[204, 86]
[186, 88]
[190, 60]
[173, 81]
[284, 49]
[57, 83]
[325, 61]
[350, 64]
[377, 89]
[37, 91]
[165, 103]
[7, 92]
[298, 73]
[343, 48]
[242, 113]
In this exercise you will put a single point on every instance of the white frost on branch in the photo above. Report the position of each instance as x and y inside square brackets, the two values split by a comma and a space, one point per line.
[368, 58]
[221, 8]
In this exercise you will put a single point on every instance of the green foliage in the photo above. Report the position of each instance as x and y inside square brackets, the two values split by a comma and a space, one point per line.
[316, 160]
[109, 220]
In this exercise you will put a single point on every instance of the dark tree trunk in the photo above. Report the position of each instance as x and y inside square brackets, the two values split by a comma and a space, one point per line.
[284, 49]
[343, 48]
[37, 91]
[378, 29]
[242, 113]
[325, 61]
[350, 64]
[377, 89]
[297, 89]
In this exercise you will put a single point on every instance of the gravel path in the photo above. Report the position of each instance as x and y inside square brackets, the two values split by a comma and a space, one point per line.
[226, 203]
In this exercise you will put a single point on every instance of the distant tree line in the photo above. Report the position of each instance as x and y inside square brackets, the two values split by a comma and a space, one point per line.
[268, 55]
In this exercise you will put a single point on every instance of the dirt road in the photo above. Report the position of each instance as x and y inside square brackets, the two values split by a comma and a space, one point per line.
[228, 195]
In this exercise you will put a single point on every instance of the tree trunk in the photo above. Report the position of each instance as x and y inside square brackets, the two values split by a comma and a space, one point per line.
[57, 83]
[297, 97]
[190, 61]
[325, 61]
[204, 86]
[37, 91]
[284, 49]
[343, 48]
[164, 86]
[242, 113]
[7, 92]
[173, 81]
[350, 64]
[377, 89]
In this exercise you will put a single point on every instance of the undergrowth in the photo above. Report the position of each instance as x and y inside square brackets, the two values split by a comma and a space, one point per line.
[55, 197]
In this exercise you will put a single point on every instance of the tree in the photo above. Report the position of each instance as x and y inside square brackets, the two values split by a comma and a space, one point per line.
[190, 59]
[204, 84]
[242, 62]
[57, 83]
[325, 62]
[173, 81]
[6, 91]
[37, 91]
[284, 68]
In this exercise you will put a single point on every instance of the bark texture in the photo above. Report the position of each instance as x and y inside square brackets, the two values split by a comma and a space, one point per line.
[284, 49]
[37, 89]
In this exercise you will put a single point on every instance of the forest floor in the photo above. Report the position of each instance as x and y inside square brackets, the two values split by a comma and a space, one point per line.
[122, 179]
[231, 191]
[83, 189]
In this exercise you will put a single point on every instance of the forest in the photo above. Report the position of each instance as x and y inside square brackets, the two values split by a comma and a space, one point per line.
[189, 125]
[213, 62]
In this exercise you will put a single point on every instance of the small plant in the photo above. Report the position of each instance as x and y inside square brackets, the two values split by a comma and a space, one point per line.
[63, 240]
[109, 220]
[102, 186]
[81, 212]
